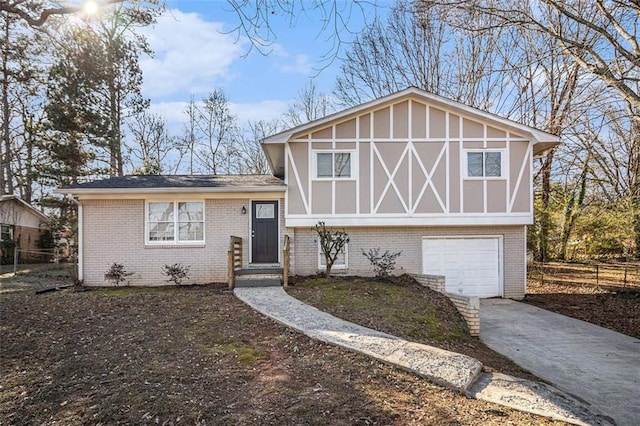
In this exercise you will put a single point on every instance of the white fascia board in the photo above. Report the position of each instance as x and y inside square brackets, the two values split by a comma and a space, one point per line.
[481, 219]
[172, 190]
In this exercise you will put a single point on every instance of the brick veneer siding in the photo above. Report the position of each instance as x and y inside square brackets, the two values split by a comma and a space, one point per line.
[469, 307]
[409, 240]
[28, 239]
[434, 282]
[114, 232]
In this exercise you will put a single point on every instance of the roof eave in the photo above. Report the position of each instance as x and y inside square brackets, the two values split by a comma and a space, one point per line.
[538, 135]
[540, 147]
[28, 206]
[170, 190]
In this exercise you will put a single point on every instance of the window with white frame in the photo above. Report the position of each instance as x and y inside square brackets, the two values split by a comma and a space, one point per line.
[484, 164]
[6, 232]
[341, 261]
[175, 222]
[333, 165]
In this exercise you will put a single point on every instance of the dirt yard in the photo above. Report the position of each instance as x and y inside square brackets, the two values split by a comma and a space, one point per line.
[196, 355]
[598, 295]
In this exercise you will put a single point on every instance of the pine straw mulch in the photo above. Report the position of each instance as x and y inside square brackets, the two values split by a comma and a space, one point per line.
[197, 355]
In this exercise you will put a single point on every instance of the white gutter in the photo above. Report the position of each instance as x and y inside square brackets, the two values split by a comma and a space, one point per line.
[80, 238]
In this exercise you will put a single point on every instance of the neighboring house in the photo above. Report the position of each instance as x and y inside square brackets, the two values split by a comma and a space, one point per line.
[21, 225]
[449, 185]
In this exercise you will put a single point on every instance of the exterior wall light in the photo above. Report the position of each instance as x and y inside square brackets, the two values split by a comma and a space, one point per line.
[244, 210]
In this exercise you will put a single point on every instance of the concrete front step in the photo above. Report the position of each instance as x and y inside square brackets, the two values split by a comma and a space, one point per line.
[259, 271]
[260, 281]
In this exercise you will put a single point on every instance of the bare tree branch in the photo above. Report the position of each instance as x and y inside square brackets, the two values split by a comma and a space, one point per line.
[30, 11]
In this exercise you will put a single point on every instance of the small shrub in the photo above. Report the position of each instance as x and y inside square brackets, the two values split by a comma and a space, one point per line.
[116, 273]
[383, 264]
[176, 272]
[331, 243]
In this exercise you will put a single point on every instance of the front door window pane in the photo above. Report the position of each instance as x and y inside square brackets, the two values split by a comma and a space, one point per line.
[265, 211]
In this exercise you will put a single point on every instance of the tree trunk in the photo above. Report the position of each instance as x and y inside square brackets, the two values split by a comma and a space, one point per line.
[634, 178]
[6, 175]
[327, 272]
[545, 215]
[573, 210]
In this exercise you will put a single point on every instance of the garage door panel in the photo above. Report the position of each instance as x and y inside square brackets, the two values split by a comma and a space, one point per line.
[471, 266]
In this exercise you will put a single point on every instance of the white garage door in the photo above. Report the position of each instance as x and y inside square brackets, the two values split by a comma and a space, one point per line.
[471, 265]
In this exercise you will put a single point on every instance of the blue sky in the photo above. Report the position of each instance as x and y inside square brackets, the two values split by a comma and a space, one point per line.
[194, 54]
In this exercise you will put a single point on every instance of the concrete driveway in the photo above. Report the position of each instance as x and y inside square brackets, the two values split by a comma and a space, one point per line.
[597, 365]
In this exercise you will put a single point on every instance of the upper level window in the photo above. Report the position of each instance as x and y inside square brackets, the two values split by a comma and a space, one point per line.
[175, 222]
[484, 164]
[333, 165]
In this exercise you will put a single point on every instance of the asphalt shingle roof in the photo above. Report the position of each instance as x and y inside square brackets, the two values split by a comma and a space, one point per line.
[181, 181]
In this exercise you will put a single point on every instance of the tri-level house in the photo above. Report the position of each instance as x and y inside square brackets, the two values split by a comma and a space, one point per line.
[448, 185]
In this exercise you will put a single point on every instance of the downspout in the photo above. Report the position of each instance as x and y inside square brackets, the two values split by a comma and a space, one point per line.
[80, 239]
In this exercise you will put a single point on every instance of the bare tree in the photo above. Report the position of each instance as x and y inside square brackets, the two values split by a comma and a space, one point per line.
[250, 157]
[337, 20]
[21, 77]
[599, 36]
[309, 105]
[149, 152]
[216, 128]
[188, 139]
[36, 13]
[419, 45]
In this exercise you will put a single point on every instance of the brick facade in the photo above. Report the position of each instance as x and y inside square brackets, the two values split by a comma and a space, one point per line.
[114, 232]
[409, 240]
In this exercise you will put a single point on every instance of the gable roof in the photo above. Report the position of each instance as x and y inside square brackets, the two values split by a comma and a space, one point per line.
[273, 146]
[24, 204]
[178, 183]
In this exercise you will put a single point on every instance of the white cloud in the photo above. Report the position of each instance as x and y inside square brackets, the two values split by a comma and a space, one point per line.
[301, 65]
[190, 54]
[264, 110]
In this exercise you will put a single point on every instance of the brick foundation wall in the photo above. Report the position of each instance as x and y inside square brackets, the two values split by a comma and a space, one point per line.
[469, 307]
[409, 240]
[434, 282]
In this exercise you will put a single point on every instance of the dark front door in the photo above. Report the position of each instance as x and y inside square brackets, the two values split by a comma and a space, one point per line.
[264, 232]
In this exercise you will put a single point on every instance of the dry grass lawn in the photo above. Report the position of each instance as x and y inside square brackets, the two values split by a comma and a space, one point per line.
[197, 355]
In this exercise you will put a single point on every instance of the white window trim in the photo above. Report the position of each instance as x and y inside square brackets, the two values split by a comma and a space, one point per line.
[175, 241]
[335, 266]
[352, 164]
[11, 230]
[503, 169]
